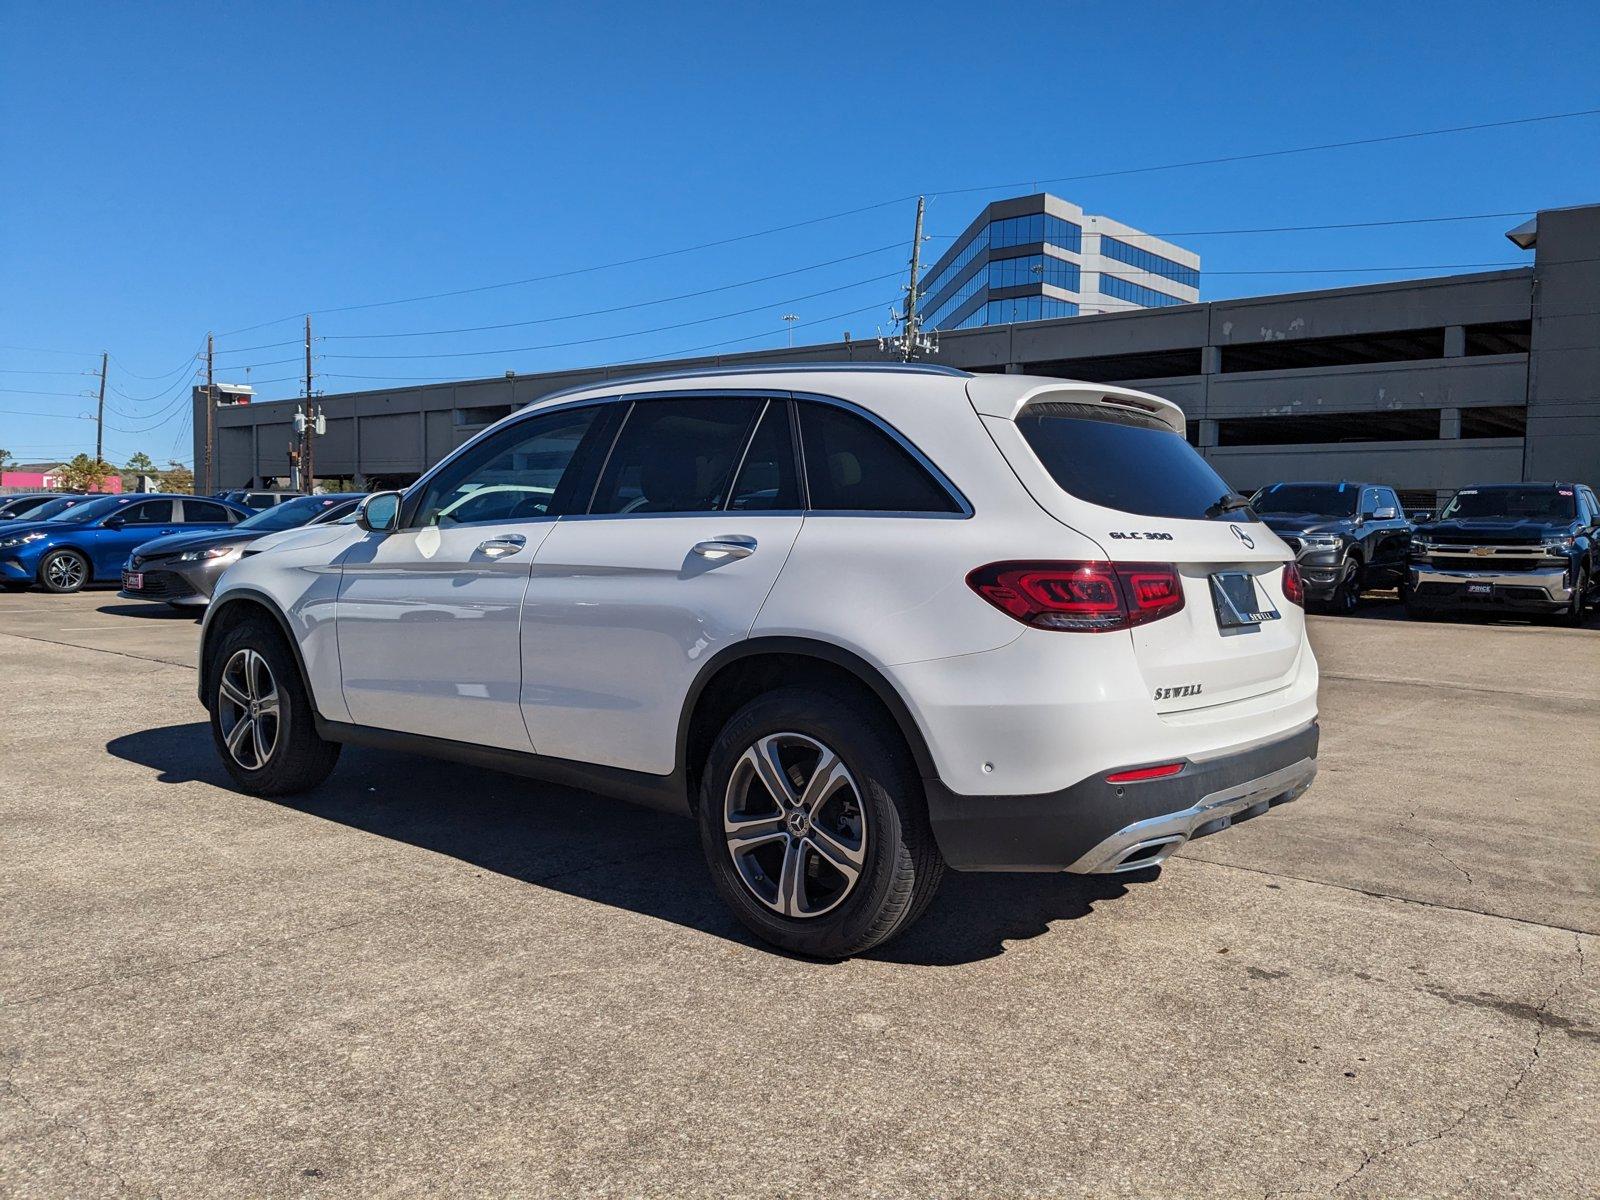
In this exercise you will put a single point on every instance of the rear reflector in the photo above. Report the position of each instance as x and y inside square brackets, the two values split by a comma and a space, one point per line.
[1083, 597]
[1135, 776]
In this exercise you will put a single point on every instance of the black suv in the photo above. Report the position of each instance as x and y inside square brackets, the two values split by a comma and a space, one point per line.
[1347, 537]
[1522, 547]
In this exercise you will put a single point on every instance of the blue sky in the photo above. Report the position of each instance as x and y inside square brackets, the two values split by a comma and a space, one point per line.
[174, 168]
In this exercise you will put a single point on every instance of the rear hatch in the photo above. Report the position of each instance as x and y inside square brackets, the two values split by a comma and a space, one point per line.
[1113, 465]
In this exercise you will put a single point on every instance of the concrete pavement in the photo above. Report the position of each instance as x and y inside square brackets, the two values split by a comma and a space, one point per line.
[429, 979]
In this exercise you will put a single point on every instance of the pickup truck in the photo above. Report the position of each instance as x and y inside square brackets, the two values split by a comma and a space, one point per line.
[1510, 547]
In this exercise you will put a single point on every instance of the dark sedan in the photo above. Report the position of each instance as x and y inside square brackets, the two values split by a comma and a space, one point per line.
[183, 569]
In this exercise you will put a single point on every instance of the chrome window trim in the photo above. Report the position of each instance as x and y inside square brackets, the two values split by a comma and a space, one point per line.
[542, 407]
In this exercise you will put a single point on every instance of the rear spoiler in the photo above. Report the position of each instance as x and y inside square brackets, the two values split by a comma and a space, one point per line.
[1005, 396]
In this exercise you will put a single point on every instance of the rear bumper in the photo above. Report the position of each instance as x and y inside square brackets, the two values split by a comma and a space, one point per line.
[1095, 827]
[1546, 590]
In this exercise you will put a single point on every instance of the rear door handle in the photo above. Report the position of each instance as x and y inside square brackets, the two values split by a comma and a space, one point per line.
[499, 547]
[725, 548]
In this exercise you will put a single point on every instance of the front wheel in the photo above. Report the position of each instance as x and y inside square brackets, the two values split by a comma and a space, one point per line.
[261, 718]
[1347, 593]
[814, 825]
[1574, 615]
[64, 572]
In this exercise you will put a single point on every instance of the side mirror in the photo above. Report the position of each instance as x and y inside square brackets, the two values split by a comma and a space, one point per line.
[114, 522]
[380, 512]
[1422, 515]
[1384, 514]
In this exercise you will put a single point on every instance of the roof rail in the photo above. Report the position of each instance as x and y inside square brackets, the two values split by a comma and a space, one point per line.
[758, 369]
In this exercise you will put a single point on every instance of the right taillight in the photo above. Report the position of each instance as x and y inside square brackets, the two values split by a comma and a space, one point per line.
[1083, 597]
[1294, 589]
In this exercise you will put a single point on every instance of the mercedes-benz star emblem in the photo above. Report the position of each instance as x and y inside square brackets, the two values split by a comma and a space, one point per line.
[1250, 542]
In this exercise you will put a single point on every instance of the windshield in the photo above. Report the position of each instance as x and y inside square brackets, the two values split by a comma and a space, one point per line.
[10, 509]
[1539, 503]
[79, 513]
[290, 515]
[52, 510]
[1126, 461]
[1311, 499]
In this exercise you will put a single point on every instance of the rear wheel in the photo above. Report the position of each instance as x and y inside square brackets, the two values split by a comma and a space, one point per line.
[814, 825]
[63, 571]
[261, 718]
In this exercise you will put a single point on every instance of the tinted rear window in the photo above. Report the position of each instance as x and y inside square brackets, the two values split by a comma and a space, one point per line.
[1122, 460]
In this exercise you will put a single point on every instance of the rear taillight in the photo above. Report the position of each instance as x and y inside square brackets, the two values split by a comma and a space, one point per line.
[1085, 597]
[1294, 589]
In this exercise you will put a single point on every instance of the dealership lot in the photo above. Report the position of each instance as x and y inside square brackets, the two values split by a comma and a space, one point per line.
[425, 977]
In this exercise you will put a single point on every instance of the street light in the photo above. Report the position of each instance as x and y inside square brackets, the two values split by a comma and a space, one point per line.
[791, 318]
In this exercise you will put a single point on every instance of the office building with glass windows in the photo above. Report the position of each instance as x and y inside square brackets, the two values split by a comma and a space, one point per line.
[1033, 258]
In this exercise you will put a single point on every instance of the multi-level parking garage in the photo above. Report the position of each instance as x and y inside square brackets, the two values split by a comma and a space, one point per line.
[1426, 384]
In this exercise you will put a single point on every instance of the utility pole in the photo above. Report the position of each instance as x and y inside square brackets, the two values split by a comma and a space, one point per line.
[307, 455]
[911, 341]
[100, 413]
[211, 416]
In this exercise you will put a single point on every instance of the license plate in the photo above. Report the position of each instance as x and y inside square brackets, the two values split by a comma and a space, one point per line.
[133, 580]
[1480, 589]
[1239, 602]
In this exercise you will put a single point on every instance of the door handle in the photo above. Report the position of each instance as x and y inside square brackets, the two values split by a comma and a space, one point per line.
[499, 547]
[725, 548]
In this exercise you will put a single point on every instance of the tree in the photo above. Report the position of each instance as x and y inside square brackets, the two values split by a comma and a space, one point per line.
[139, 463]
[176, 478]
[5, 459]
[84, 474]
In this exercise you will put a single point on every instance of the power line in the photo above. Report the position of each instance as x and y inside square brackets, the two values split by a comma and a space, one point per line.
[601, 312]
[631, 333]
[735, 238]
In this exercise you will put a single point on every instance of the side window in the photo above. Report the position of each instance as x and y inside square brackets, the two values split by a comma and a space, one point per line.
[853, 466]
[767, 479]
[1594, 506]
[203, 512]
[151, 512]
[1387, 499]
[676, 456]
[1369, 501]
[514, 476]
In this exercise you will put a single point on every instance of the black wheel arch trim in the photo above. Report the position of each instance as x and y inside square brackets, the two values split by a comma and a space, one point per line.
[259, 599]
[827, 652]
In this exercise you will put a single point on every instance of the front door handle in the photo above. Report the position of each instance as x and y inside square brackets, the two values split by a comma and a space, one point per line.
[725, 548]
[500, 547]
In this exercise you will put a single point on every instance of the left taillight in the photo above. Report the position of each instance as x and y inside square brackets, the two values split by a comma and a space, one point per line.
[1081, 597]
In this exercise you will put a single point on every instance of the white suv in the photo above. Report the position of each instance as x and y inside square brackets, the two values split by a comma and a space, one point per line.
[861, 622]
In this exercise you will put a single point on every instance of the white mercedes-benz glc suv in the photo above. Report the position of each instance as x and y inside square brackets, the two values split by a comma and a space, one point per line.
[861, 623]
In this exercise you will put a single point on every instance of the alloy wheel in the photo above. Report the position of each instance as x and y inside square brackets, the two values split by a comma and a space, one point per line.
[248, 709]
[795, 824]
[65, 572]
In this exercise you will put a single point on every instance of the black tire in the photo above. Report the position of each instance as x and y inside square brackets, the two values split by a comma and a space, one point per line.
[1575, 614]
[64, 572]
[297, 760]
[900, 866]
[1347, 592]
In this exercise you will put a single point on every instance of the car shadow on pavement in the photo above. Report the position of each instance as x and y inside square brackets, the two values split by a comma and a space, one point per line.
[160, 612]
[605, 850]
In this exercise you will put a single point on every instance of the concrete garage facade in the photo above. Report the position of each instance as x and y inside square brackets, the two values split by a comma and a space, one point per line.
[1426, 385]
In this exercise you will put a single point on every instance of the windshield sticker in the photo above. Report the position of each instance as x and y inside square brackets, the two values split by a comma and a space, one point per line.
[1563, 491]
[1467, 492]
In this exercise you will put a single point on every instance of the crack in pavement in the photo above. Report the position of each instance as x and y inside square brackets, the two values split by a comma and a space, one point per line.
[1541, 1013]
